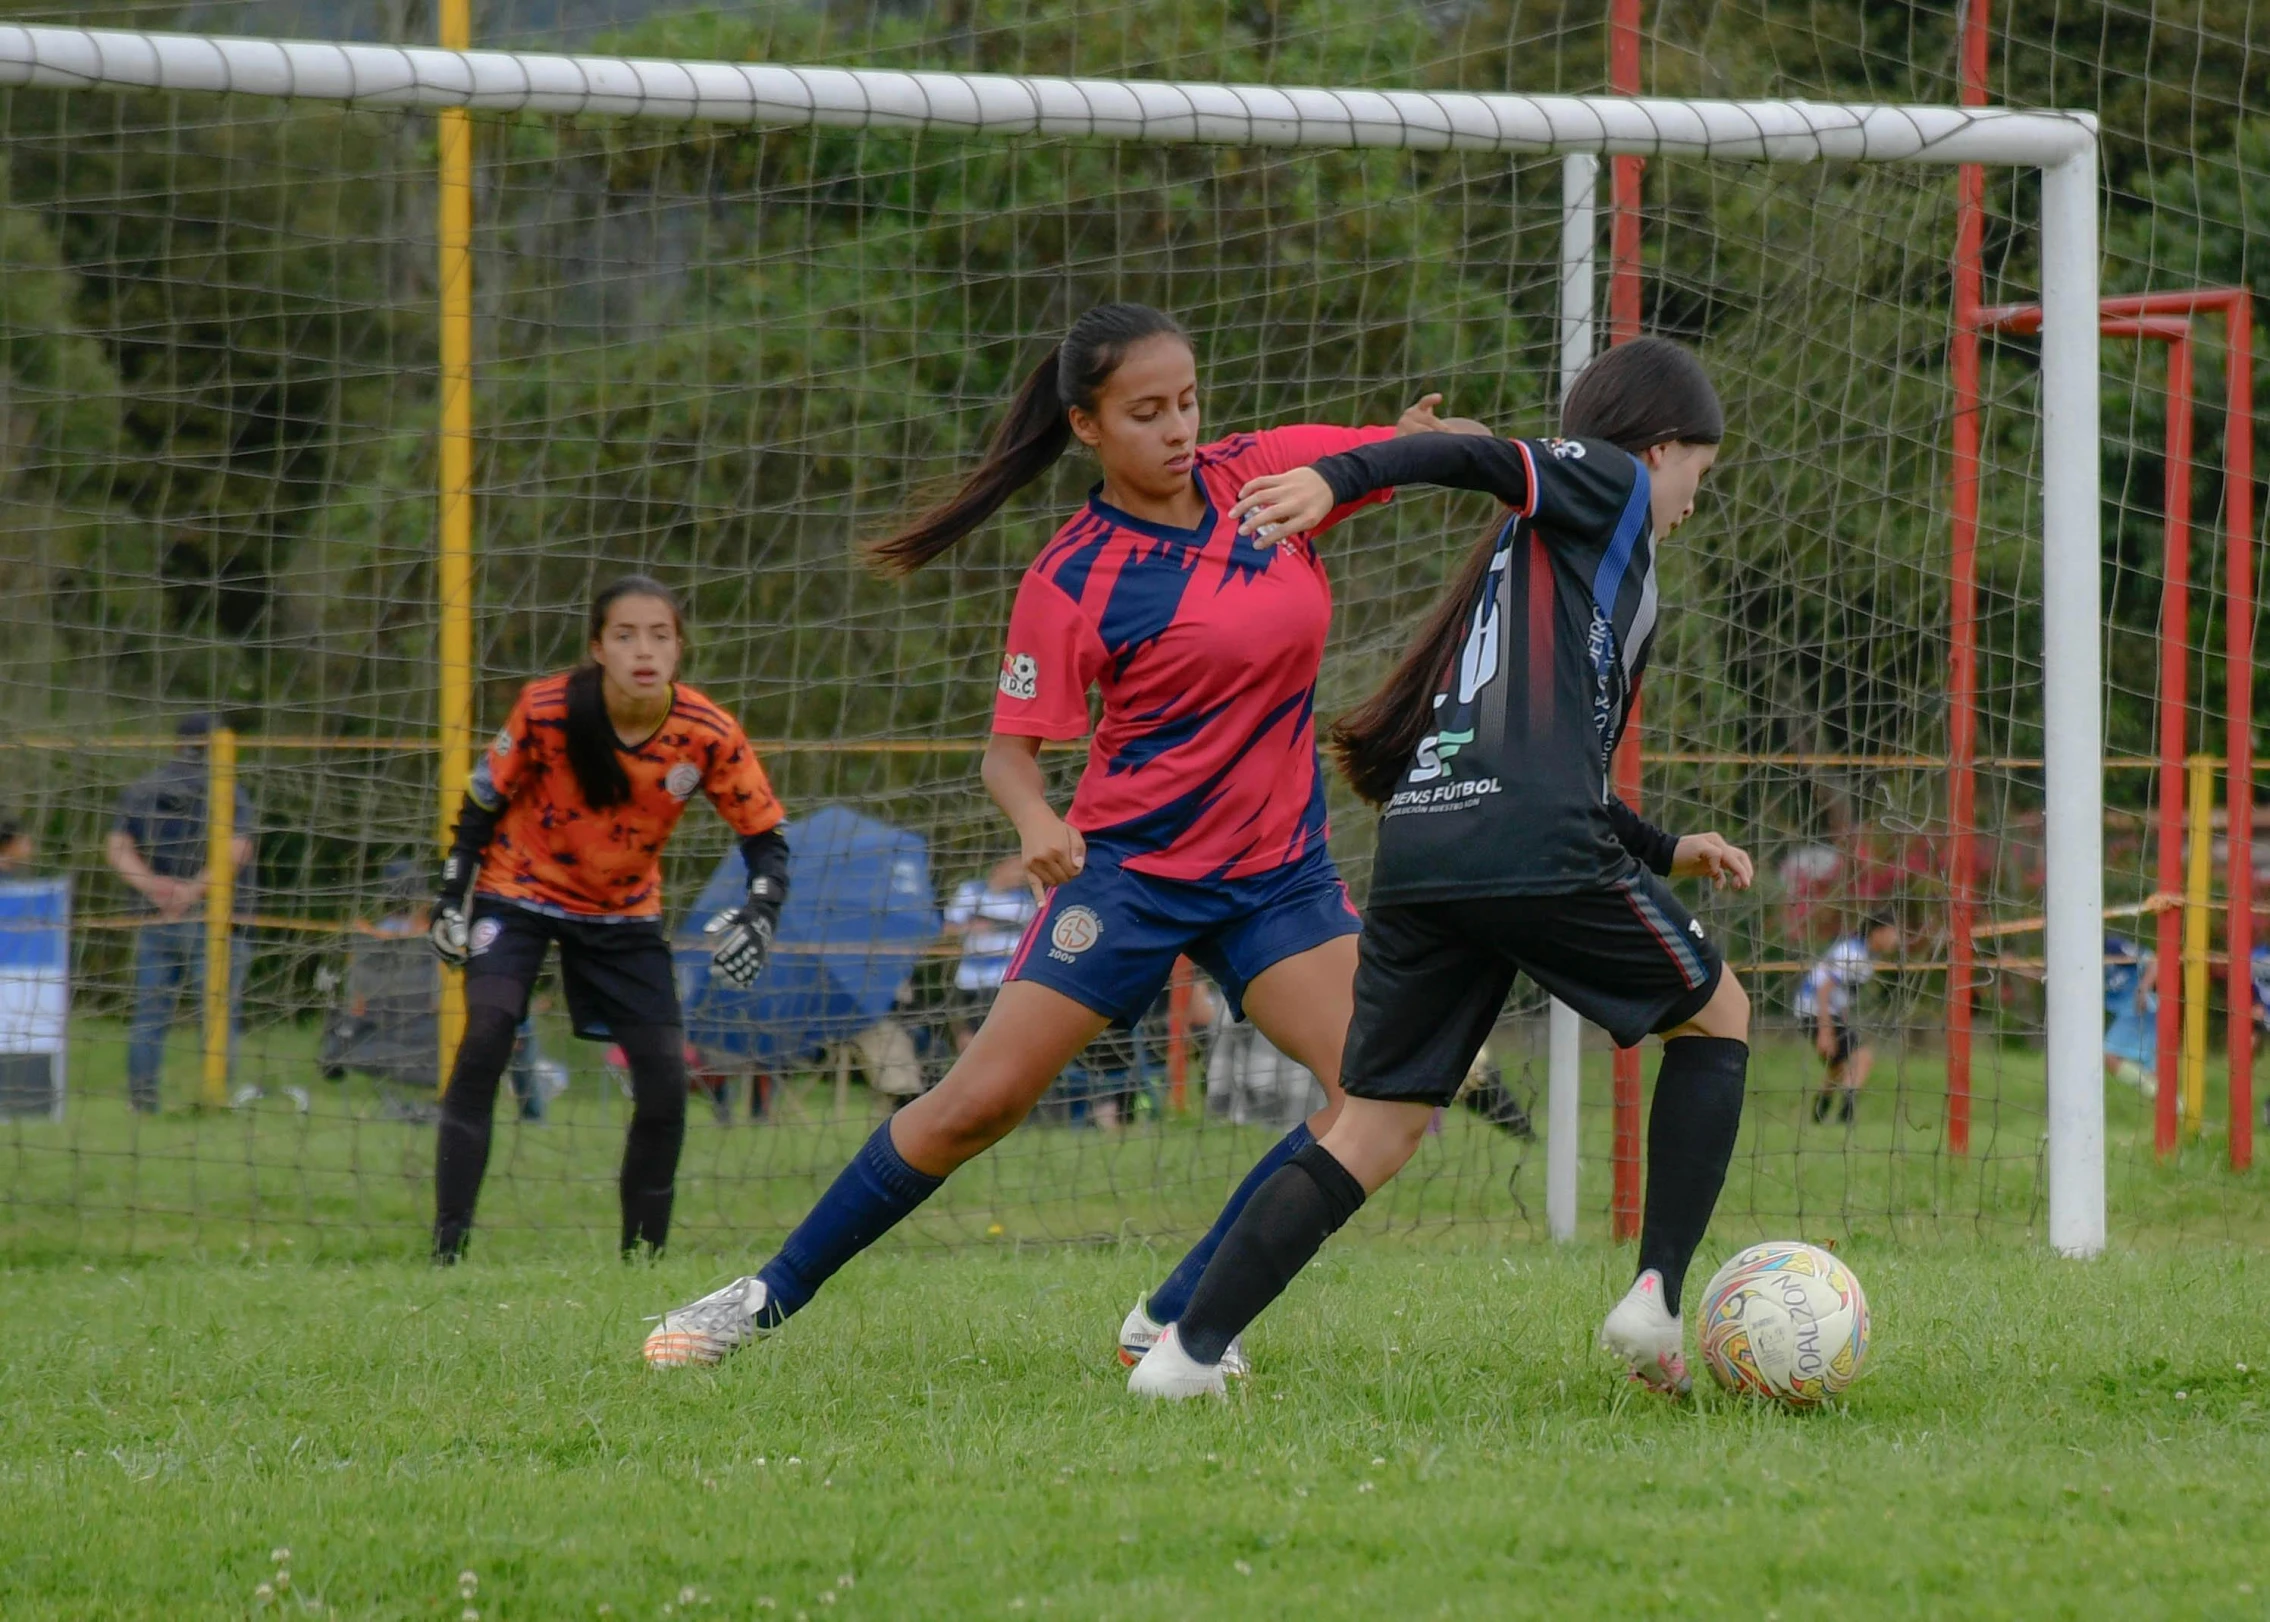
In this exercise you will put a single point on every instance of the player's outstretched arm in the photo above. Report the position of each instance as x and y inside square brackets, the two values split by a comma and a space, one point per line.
[1053, 850]
[1281, 504]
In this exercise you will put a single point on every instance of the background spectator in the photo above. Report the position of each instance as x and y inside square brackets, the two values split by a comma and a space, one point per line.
[1827, 1001]
[2131, 1036]
[988, 916]
[15, 849]
[158, 846]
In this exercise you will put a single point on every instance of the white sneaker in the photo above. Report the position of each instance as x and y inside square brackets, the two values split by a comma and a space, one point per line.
[706, 1330]
[1139, 1332]
[1169, 1372]
[1643, 1331]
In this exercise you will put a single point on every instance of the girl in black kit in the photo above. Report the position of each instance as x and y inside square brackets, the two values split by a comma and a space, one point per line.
[1502, 849]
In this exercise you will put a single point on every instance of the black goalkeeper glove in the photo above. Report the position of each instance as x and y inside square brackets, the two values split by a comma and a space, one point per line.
[742, 943]
[451, 931]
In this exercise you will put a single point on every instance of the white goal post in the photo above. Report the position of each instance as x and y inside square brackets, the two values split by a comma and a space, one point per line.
[2062, 145]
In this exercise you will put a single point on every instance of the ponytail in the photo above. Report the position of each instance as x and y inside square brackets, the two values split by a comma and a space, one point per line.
[1649, 391]
[1374, 742]
[591, 742]
[1026, 445]
[1032, 436]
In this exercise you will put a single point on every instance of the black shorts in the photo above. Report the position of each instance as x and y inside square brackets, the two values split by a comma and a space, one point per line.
[616, 972]
[1432, 978]
[1848, 1041]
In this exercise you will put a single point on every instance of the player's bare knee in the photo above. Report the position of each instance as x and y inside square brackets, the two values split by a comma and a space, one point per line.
[1726, 1015]
[1373, 1139]
[963, 1117]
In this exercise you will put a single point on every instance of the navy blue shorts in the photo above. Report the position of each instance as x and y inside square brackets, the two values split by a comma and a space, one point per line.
[1109, 939]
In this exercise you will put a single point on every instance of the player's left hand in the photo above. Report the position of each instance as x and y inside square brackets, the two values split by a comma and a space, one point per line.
[1710, 856]
[1419, 416]
[1278, 506]
[742, 947]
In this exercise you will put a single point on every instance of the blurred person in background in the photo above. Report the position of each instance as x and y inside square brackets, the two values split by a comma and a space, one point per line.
[158, 845]
[2258, 966]
[15, 849]
[2131, 1035]
[1825, 999]
[534, 1079]
[988, 916]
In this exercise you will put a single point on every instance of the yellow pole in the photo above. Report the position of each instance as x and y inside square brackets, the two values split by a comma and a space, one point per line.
[220, 908]
[454, 571]
[2200, 809]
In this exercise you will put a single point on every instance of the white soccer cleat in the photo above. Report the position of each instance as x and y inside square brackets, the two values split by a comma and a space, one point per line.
[1173, 1375]
[1139, 1332]
[706, 1330]
[1647, 1335]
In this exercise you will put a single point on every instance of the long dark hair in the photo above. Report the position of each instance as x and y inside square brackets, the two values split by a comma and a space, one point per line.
[1032, 436]
[1649, 391]
[591, 739]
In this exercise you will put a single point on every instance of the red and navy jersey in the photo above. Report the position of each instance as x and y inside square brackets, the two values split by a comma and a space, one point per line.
[553, 852]
[1205, 649]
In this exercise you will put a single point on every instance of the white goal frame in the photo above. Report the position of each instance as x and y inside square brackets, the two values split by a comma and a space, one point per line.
[2062, 145]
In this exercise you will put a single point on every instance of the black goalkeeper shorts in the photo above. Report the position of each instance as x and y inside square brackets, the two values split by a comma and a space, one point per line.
[1432, 978]
[617, 972]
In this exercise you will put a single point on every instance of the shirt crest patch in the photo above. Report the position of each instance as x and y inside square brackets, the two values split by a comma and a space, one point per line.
[1020, 676]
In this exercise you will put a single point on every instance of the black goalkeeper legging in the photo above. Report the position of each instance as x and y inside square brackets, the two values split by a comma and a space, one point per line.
[650, 1148]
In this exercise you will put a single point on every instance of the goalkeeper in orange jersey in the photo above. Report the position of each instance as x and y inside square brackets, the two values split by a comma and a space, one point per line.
[559, 841]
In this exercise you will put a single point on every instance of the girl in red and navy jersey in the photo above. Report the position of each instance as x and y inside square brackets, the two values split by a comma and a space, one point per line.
[1198, 827]
[560, 840]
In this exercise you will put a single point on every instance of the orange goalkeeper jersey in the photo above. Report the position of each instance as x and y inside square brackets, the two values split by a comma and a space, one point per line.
[552, 851]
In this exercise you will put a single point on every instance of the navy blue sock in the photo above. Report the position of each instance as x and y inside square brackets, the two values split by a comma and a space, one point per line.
[866, 1201]
[1170, 1300]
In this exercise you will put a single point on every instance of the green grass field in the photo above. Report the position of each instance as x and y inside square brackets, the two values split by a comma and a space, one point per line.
[343, 1182]
[223, 1345]
[1426, 1434]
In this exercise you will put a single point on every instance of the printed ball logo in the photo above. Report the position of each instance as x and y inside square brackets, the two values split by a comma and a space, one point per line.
[485, 935]
[682, 780]
[1076, 930]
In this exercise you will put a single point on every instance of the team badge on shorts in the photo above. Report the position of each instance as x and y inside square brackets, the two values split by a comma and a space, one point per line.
[485, 935]
[682, 779]
[1076, 929]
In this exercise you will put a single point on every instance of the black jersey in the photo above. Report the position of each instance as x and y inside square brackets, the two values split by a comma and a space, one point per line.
[1508, 794]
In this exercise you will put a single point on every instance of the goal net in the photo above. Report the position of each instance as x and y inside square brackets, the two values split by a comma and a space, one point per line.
[728, 317]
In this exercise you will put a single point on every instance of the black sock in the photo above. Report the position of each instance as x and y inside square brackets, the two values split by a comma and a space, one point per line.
[1304, 1203]
[461, 1149]
[657, 1055]
[1690, 1139]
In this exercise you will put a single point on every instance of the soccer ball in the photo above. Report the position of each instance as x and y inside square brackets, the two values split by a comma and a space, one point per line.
[1787, 1321]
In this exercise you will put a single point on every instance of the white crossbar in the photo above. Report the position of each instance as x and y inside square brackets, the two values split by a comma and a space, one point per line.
[1000, 104]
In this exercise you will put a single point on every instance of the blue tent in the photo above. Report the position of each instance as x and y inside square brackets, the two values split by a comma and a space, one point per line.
[860, 912]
